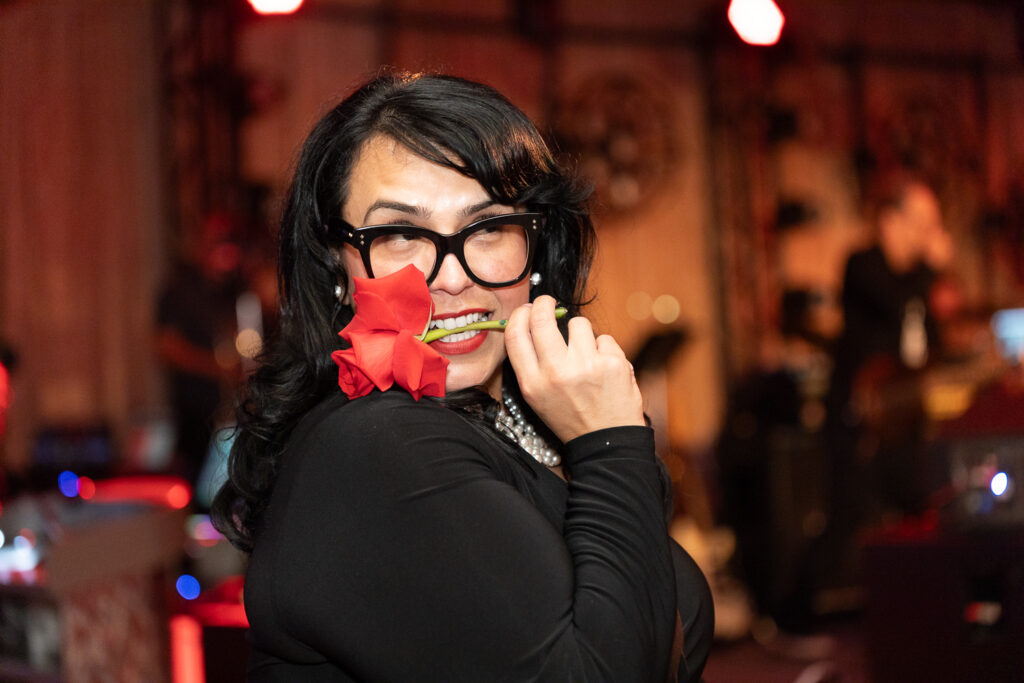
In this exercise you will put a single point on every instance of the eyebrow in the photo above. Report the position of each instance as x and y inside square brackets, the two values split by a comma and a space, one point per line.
[420, 211]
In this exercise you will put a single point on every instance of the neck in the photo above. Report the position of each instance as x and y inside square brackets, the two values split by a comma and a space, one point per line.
[493, 385]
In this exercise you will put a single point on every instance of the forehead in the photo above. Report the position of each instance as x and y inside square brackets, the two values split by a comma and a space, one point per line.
[386, 172]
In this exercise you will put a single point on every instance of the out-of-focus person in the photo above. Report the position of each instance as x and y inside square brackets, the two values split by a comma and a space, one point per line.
[873, 439]
[876, 415]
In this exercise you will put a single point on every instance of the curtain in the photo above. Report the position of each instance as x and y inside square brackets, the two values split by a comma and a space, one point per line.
[80, 213]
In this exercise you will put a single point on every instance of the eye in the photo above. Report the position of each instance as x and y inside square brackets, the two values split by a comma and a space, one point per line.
[399, 237]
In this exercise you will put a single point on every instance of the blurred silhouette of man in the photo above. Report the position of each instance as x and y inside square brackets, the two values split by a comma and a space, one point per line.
[875, 404]
[875, 420]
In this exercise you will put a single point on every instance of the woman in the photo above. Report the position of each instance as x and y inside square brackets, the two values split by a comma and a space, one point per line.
[395, 537]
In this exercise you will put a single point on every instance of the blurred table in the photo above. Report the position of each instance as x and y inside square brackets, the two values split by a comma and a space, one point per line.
[945, 605]
[95, 607]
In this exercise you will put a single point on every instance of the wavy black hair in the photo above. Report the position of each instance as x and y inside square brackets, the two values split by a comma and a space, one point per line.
[456, 123]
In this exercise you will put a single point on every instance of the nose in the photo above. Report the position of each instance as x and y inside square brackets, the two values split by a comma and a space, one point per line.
[451, 277]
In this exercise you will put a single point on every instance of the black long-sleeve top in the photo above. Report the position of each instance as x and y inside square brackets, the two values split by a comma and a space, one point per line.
[404, 543]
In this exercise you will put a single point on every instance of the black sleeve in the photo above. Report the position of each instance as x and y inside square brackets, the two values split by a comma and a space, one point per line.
[870, 290]
[697, 615]
[398, 555]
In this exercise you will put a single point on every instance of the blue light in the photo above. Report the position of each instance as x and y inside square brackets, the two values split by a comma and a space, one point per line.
[1000, 482]
[67, 482]
[188, 586]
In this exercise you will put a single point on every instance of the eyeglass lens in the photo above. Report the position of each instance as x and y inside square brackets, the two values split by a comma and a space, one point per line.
[494, 252]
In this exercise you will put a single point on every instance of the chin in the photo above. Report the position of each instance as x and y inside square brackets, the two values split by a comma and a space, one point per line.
[459, 383]
[469, 378]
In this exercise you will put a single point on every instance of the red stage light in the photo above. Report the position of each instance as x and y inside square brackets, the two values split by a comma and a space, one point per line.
[275, 6]
[187, 665]
[758, 22]
[86, 488]
[166, 490]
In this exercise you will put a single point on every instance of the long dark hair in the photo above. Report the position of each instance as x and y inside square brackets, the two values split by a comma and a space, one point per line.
[447, 120]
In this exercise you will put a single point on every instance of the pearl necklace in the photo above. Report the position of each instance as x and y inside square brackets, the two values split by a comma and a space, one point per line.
[511, 422]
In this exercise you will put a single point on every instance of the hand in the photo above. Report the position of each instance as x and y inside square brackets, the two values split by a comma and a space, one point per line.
[576, 388]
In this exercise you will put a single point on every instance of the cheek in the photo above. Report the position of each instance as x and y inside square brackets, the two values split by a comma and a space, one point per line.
[515, 296]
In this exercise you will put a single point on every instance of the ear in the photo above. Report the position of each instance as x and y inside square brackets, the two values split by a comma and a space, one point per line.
[341, 288]
[342, 292]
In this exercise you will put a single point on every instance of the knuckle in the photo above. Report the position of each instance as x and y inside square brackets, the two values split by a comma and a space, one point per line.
[560, 377]
[608, 344]
[512, 331]
[569, 376]
[579, 322]
[528, 389]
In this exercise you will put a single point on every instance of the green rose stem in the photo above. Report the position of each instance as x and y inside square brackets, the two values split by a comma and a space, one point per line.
[437, 333]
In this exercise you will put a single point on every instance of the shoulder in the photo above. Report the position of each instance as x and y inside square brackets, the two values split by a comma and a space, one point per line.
[386, 439]
[388, 417]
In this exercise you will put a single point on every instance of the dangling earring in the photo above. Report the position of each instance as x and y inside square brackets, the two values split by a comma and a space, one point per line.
[338, 291]
[535, 279]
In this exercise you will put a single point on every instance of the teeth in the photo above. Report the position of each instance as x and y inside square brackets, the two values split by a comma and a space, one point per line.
[458, 336]
[459, 321]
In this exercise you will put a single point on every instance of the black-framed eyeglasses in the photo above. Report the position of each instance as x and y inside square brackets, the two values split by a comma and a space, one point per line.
[494, 252]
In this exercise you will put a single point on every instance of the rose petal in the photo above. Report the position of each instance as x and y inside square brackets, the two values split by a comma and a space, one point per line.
[390, 312]
[374, 355]
[373, 313]
[404, 292]
[351, 379]
[418, 368]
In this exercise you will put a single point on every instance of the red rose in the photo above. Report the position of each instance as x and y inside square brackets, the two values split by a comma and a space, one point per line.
[391, 313]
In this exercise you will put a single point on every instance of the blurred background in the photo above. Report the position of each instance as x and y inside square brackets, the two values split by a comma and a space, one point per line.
[856, 513]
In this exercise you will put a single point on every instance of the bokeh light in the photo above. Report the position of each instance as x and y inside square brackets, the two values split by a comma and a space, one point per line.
[86, 488]
[757, 22]
[275, 6]
[999, 484]
[187, 586]
[67, 483]
[666, 309]
[638, 305]
[178, 496]
[248, 343]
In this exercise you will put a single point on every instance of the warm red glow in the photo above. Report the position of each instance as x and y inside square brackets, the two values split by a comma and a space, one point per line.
[187, 664]
[178, 496]
[5, 394]
[164, 490]
[86, 488]
[5, 386]
[275, 6]
[758, 22]
[220, 614]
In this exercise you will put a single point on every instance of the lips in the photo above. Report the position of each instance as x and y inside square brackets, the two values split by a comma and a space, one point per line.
[460, 342]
